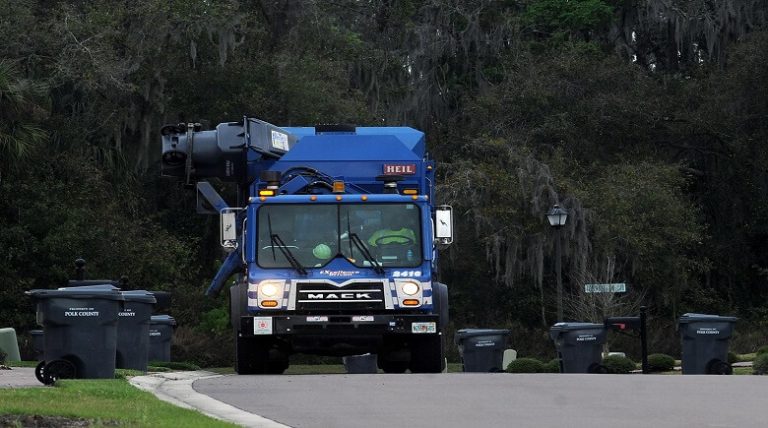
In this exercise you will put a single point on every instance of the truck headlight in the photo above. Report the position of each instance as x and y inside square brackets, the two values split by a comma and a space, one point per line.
[269, 289]
[410, 288]
[266, 294]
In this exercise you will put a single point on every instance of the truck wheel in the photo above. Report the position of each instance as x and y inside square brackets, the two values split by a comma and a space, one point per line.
[259, 356]
[392, 366]
[243, 356]
[394, 355]
[428, 354]
[440, 301]
[238, 304]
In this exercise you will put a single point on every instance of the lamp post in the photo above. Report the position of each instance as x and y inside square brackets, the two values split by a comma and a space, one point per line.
[557, 217]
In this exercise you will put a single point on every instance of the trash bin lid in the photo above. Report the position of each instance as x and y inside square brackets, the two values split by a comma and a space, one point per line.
[690, 317]
[569, 326]
[98, 285]
[162, 319]
[472, 332]
[76, 293]
[142, 296]
[86, 282]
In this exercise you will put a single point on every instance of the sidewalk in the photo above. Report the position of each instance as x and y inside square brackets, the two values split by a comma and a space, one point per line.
[19, 377]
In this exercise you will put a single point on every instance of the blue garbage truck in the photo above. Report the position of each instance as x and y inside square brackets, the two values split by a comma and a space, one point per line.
[332, 242]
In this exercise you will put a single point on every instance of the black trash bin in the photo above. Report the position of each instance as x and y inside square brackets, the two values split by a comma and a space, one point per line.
[705, 340]
[79, 330]
[163, 300]
[160, 335]
[38, 344]
[133, 330]
[482, 350]
[579, 346]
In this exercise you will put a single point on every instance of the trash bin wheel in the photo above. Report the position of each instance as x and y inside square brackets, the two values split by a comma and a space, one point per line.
[719, 367]
[58, 369]
[40, 372]
[597, 368]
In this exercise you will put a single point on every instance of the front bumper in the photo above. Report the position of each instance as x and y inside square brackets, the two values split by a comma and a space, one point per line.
[334, 325]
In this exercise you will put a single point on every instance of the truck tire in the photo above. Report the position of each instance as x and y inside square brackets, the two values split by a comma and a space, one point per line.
[440, 302]
[259, 355]
[394, 355]
[428, 353]
[238, 304]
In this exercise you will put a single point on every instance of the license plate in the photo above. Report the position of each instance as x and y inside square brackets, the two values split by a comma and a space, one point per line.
[262, 325]
[423, 327]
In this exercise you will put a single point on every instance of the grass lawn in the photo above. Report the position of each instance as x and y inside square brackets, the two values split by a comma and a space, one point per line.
[103, 401]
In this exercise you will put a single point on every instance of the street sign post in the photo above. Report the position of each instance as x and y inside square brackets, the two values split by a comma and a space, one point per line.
[606, 288]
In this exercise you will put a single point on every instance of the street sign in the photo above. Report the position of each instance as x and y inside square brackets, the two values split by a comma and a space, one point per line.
[606, 288]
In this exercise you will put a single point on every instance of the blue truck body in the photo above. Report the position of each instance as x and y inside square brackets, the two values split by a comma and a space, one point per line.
[332, 243]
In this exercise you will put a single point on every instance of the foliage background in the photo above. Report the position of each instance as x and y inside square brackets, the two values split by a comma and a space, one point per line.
[647, 119]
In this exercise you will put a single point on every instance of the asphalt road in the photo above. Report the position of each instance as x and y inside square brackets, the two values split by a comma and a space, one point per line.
[494, 400]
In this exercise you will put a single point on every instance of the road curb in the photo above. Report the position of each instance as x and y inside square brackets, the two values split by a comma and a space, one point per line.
[176, 388]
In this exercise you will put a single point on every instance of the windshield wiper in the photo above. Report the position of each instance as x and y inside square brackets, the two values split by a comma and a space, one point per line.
[366, 253]
[275, 238]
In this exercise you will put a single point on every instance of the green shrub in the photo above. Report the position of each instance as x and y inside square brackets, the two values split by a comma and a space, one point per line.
[202, 348]
[525, 365]
[760, 365]
[762, 350]
[553, 366]
[732, 358]
[660, 363]
[616, 364]
[3, 356]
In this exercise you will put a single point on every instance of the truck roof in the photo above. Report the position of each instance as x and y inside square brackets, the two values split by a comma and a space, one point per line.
[367, 143]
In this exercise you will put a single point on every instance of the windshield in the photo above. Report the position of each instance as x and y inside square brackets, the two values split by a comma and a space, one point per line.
[365, 234]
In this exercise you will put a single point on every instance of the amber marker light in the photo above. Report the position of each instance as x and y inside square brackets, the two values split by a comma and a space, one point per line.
[338, 186]
[338, 198]
[269, 303]
[415, 197]
[364, 198]
[267, 192]
[410, 191]
[262, 198]
[313, 198]
[411, 302]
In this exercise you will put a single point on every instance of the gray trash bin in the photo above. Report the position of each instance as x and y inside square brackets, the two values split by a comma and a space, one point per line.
[160, 335]
[38, 344]
[579, 346]
[133, 330]
[705, 340]
[482, 350]
[79, 330]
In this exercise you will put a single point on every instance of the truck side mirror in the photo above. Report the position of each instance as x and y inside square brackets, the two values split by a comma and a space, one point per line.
[228, 219]
[444, 224]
